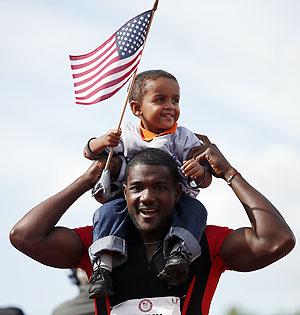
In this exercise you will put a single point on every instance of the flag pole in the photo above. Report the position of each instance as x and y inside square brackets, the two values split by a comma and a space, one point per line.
[130, 87]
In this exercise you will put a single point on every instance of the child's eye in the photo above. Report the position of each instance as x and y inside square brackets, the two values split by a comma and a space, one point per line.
[159, 100]
[175, 100]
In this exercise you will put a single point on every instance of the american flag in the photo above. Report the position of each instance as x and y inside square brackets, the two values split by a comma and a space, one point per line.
[101, 73]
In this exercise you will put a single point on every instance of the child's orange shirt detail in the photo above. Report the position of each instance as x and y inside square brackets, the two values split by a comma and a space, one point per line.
[148, 135]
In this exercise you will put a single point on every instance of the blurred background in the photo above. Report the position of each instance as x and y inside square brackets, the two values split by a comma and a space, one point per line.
[238, 65]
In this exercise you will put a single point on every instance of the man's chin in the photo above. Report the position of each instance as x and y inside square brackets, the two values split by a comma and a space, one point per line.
[145, 227]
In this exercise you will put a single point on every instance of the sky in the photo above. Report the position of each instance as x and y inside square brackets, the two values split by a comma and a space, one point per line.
[238, 66]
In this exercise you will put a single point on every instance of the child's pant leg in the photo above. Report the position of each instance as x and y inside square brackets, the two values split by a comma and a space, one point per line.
[189, 222]
[109, 229]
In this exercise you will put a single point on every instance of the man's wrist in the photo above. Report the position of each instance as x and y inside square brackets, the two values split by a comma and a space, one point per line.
[230, 174]
[86, 182]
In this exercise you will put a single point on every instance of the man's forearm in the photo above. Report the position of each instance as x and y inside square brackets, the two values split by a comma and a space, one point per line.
[39, 222]
[36, 234]
[270, 237]
[258, 207]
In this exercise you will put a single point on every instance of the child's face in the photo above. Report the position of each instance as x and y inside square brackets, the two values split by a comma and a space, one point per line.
[159, 109]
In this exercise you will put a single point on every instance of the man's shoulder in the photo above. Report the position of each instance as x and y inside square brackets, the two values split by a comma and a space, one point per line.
[86, 234]
[215, 236]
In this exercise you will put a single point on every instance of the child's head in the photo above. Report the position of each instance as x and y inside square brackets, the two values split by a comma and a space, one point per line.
[154, 98]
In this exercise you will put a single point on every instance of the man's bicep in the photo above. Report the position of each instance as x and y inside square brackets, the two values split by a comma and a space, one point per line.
[238, 251]
[63, 248]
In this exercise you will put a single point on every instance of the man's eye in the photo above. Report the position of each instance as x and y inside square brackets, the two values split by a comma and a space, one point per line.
[161, 187]
[135, 188]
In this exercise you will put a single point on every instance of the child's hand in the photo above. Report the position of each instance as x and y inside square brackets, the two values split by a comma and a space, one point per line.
[192, 169]
[112, 137]
[95, 146]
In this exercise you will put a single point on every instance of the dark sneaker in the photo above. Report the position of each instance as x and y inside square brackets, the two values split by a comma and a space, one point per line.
[176, 269]
[100, 283]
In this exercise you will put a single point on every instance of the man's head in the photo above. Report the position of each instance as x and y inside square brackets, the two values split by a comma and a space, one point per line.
[154, 98]
[151, 190]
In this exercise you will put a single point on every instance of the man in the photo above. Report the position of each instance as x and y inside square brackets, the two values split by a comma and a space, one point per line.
[151, 191]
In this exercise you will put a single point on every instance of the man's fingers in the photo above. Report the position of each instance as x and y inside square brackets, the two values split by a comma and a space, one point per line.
[203, 138]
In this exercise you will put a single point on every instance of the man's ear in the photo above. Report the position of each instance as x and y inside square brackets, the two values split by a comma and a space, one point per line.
[136, 108]
[125, 191]
[178, 191]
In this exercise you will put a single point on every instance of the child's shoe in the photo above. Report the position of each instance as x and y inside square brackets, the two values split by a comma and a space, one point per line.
[176, 269]
[100, 283]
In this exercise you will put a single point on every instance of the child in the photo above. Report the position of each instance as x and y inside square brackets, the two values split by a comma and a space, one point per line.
[154, 99]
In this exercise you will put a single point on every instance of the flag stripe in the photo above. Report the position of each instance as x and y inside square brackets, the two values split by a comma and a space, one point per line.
[92, 83]
[109, 90]
[92, 67]
[96, 58]
[90, 54]
[93, 76]
[89, 73]
[103, 97]
[114, 79]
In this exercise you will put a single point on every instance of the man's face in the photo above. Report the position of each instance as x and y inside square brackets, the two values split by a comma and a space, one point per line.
[151, 194]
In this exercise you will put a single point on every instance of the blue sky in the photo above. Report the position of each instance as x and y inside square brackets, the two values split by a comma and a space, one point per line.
[238, 66]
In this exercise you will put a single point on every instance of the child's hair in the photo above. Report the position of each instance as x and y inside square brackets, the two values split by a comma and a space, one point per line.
[157, 157]
[138, 88]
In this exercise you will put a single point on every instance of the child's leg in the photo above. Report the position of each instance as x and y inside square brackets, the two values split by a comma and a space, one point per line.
[182, 243]
[109, 229]
[189, 222]
[109, 247]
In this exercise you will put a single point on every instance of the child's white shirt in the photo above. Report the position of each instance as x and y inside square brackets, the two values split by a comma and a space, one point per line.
[177, 144]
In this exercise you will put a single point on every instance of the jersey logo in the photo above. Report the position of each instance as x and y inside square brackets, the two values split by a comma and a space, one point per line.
[145, 305]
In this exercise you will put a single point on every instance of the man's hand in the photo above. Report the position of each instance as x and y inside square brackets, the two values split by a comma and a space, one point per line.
[209, 153]
[94, 172]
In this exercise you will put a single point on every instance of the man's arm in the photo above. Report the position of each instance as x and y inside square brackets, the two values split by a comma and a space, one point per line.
[37, 235]
[268, 239]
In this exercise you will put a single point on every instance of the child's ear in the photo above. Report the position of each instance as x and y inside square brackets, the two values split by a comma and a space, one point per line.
[136, 108]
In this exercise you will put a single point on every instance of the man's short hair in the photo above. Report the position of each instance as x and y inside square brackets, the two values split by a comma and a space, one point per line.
[138, 87]
[153, 156]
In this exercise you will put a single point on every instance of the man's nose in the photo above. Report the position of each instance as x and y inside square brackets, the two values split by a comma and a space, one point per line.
[147, 196]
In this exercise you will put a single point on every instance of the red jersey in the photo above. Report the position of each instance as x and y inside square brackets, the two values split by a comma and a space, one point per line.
[137, 278]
